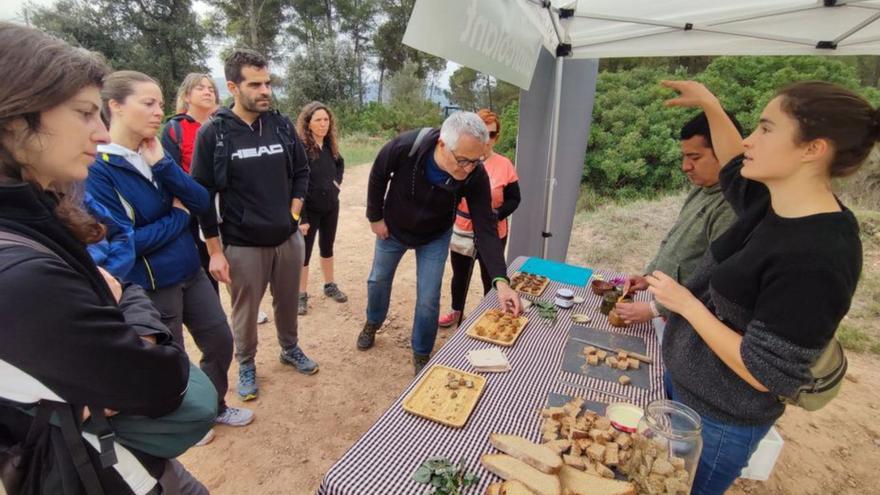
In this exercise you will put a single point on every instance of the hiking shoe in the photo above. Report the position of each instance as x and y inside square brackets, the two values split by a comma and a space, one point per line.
[262, 318]
[333, 292]
[419, 361]
[368, 336]
[303, 306]
[208, 438]
[298, 359]
[247, 382]
[235, 416]
[448, 320]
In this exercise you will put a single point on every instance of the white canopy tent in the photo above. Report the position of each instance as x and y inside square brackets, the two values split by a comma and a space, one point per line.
[549, 49]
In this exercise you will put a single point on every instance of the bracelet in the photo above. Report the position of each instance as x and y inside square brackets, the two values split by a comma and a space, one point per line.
[498, 279]
[654, 309]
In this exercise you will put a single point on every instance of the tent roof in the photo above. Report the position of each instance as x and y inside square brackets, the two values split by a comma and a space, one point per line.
[639, 28]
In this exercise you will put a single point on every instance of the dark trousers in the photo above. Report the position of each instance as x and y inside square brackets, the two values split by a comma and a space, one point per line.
[194, 303]
[325, 222]
[204, 257]
[462, 266]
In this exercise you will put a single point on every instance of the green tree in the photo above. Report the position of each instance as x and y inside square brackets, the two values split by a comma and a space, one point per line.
[472, 90]
[357, 20]
[253, 24]
[311, 21]
[162, 38]
[324, 72]
[390, 50]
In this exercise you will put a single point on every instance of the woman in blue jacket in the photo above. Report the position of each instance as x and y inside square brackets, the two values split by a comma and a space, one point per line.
[142, 186]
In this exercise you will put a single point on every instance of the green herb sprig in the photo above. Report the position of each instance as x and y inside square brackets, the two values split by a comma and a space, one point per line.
[446, 478]
[546, 309]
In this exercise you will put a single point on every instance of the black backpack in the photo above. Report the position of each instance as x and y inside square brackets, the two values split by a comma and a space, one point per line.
[283, 130]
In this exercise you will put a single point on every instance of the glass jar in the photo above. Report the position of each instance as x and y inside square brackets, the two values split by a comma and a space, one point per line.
[609, 299]
[666, 449]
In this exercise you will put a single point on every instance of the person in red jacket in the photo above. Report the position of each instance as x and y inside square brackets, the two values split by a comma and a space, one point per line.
[197, 100]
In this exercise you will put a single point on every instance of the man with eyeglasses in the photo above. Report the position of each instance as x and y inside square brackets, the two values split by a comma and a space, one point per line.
[429, 171]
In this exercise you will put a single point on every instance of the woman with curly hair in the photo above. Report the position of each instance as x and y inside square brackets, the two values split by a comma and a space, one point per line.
[317, 129]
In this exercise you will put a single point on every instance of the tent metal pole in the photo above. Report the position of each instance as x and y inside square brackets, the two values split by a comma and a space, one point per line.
[551, 169]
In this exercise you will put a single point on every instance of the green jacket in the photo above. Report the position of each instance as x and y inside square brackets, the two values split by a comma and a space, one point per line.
[704, 216]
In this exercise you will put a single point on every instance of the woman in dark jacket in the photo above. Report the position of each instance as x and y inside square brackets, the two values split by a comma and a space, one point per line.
[70, 334]
[142, 186]
[317, 130]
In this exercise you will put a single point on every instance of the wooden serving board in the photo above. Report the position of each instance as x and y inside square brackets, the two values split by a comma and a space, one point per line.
[483, 329]
[431, 399]
[517, 284]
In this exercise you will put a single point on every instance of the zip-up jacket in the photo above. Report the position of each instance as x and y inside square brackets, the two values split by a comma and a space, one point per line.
[260, 181]
[417, 212]
[165, 251]
[65, 338]
[115, 252]
[325, 179]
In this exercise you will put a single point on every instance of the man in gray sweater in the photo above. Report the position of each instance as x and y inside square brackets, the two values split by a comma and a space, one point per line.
[704, 216]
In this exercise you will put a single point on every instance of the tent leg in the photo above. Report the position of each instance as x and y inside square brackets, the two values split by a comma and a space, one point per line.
[551, 169]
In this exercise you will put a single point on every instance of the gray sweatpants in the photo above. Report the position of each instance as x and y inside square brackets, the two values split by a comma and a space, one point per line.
[252, 269]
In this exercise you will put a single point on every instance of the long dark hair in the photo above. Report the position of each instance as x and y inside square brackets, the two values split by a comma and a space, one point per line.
[826, 110]
[41, 72]
[302, 128]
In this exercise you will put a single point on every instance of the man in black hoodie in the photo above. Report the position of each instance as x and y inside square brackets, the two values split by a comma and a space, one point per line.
[250, 156]
[429, 172]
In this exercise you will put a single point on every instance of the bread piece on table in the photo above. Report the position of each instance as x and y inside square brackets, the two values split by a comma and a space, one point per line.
[633, 363]
[574, 461]
[538, 456]
[624, 440]
[596, 452]
[559, 446]
[552, 412]
[514, 487]
[511, 468]
[622, 364]
[590, 350]
[622, 355]
[494, 489]
[577, 434]
[611, 454]
[602, 355]
[624, 380]
[593, 360]
[604, 471]
[576, 482]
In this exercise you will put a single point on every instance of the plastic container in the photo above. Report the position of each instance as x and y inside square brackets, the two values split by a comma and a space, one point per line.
[667, 448]
[764, 458]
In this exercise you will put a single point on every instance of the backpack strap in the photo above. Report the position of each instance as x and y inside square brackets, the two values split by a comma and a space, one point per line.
[176, 130]
[70, 430]
[221, 153]
[285, 132]
[419, 138]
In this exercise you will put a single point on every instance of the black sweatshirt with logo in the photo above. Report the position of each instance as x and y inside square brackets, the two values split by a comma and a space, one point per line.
[255, 206]
[417, 212]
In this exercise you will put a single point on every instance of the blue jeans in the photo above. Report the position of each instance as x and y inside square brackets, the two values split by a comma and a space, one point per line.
[726, 451]
[430, 263]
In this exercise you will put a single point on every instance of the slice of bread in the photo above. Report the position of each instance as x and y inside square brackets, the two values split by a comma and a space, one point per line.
[511, 468]
[540, 457]
[576, 482]
[514, 487]
[494, 489]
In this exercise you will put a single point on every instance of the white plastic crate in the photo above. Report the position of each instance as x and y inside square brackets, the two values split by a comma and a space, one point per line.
[764, 458]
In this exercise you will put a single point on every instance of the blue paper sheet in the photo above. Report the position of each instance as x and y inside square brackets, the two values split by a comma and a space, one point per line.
[559, 272]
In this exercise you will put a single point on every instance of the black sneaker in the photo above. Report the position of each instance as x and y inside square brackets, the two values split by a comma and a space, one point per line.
[333, 292]
[419, 361]
[368, 336]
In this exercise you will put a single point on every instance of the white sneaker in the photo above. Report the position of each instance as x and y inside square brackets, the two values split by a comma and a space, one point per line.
[235, 416]
[208, 438]
[262, 318]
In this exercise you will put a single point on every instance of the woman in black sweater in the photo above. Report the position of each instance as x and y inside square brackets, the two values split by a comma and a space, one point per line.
[71, 333]
[316, 127]
[770, 293]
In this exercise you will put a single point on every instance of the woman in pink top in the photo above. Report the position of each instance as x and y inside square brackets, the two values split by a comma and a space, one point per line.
[505, 199]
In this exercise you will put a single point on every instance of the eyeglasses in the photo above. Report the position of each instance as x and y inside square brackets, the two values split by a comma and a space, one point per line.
[466, 162]
[493, 134]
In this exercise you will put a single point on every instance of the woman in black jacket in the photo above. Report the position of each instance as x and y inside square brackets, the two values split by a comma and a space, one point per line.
[71, 333]
[317, 130]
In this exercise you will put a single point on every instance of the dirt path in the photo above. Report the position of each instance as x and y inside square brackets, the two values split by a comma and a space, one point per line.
[304, 424]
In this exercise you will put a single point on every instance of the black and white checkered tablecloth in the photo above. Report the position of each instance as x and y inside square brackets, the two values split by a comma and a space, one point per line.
[382, 461]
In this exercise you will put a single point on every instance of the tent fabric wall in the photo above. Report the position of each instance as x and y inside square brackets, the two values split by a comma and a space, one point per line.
[533, 149]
